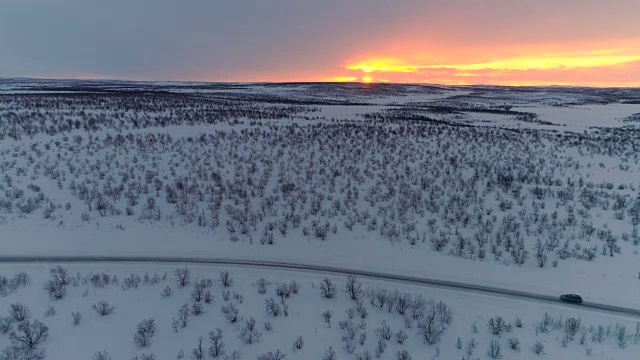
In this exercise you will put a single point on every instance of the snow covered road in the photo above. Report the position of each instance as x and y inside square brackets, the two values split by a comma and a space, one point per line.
[424, 281]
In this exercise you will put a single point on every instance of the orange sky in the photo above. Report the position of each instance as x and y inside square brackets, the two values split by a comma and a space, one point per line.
[611, 63]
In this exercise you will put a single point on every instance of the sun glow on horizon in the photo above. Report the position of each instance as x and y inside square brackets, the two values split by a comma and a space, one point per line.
[341, 79]
[383, 64]
[544, 62]
[604, 66]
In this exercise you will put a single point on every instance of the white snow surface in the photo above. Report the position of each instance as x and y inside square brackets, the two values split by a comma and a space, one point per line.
[612, 280]
[607, 280]
[114, 333]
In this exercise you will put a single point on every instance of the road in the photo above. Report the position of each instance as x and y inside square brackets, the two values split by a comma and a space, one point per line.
[324, 269]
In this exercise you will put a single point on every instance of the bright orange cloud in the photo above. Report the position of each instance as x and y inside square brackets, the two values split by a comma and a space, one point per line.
[545, 63]
[616, 66]
[341, 79]
[384, 64]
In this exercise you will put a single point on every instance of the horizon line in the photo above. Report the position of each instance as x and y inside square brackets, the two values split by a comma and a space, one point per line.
[100, 79]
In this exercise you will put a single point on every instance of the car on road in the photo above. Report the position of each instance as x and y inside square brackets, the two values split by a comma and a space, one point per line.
[572, 298]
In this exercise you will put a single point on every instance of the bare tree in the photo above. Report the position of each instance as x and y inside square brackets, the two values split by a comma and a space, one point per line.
[101, 355]
[519, 254]
[349, 346]
[444, 314]
[496, 325]
[417, 305]
[16, 353]
[103, 308]
[391, 299]
[277, 355]
[364, 355]
[198, 292]
[403, 355]
[56, 289]
[541, 257]
[226, 279]
[145, 331]
[249, 334]
[166, 292]
[620, 333]
[235, 355]
[538, 348]
[294, 287]
[6, 324]
[230, 313]
[361, 309]
[327, 317]
[381, 346]
[518, 322]
[543, 325]
[571, 327]
[60, 275]
[198, 353]
[401, 337]
[208, 297]
[514, 343]
[598, 335]
[283, 290]
[430, 329]
[328, 289]
[183, 316]
[330, 354]
[19, 312]
[384, 331]
[183, 276]
[353, 287]
[408, 322]
[76, 318]
[298, 343]
[268, 326]
[494, 351]
[262, 285]
[272, 307]
[349, 328]
[402, 303]
[216, 349]
[471, 346]
[29, 334]
[197, 309]
[440, 241]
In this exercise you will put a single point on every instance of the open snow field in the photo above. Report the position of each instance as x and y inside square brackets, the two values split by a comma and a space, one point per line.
[521, 188]
[138, 293]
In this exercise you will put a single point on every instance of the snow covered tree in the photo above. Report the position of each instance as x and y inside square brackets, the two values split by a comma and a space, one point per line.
[183, 276]
[328, 288]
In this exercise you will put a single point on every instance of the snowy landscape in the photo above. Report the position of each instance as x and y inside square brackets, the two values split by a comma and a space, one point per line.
[523, 189]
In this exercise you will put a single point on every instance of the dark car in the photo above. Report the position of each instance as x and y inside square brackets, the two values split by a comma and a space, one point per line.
[572, 298]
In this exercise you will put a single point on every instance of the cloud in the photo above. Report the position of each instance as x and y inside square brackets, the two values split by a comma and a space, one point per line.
[594, 67]
[341, 79]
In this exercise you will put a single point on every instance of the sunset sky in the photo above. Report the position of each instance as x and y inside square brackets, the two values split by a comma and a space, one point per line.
[507, 42]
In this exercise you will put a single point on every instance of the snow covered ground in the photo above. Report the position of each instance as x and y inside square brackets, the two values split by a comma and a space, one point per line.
[470, 316]
[610, 115]
[520, 188]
